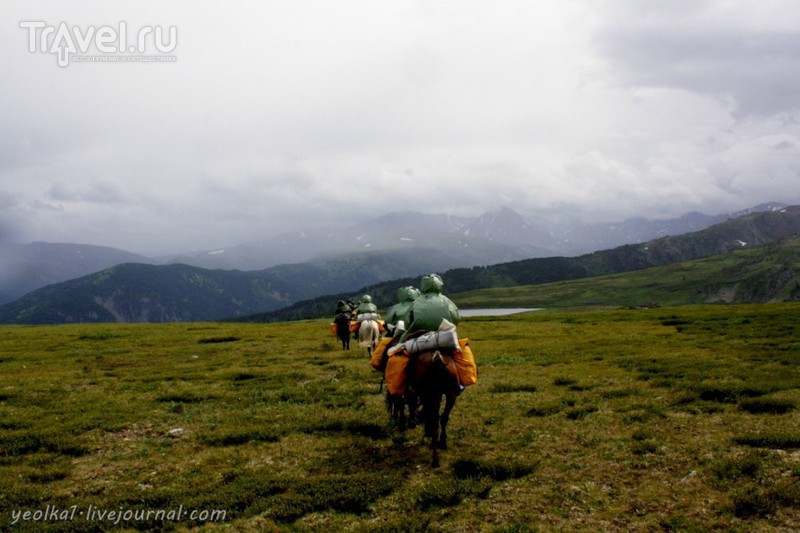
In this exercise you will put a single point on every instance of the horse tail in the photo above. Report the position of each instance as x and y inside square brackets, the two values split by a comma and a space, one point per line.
[368, 334]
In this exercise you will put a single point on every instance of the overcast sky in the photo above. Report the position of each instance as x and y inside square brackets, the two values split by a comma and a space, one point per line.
[273, 115]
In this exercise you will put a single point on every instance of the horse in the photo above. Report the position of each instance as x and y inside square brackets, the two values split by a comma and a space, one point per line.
[396, 403]
[342, 321]
[396, 406]
[368, 335]
[435, 375]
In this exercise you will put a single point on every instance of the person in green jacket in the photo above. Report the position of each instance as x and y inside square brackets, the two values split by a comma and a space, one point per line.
[396, 313]
[366, 305]
[430, 308]
[342, 307]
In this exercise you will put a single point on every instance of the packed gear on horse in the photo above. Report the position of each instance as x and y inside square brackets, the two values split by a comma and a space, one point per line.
[366, 310]
[423, 371]
[397, 313]
[431, 307]
[380, 354]
[343, 307]
[435, 316]
[366, 305]
[445, 341]
[366, 324]
[394, 327]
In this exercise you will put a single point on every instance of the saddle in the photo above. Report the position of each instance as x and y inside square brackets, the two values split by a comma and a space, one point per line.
[424, 361]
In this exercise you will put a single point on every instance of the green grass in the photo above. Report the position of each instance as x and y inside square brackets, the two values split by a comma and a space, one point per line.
[679, 419]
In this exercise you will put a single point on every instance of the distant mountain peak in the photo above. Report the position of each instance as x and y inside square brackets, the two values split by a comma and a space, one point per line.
[508, 226]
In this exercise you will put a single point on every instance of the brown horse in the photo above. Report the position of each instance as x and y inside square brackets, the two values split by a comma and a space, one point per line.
[396, 406]
[342, 321]
[434, 375]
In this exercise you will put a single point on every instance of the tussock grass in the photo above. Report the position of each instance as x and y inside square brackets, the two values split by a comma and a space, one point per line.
[775, 406]
[730, 392]
[470, 468]
[545, 410]
[680, 419]
[218, 340]
[509, 387]
[770, 440]
[236, 437]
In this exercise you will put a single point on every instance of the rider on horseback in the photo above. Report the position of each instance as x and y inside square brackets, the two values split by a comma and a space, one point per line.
[394, 325]
[366, 306]
[341, 323]
[429, 363]
[397, 312]
[427, 312]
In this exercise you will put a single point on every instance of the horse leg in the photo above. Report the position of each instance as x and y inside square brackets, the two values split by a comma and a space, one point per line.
[389, 404]
[344, 337]
[432, 407]
[450, 401]
[400, 412]
[396, 408]
[413, 405]
[373, 341]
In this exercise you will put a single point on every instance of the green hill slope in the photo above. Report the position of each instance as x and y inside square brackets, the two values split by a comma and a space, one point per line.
[769, 273]
[182, 293]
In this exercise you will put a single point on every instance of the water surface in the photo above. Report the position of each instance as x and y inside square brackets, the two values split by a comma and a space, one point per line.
[497, 312]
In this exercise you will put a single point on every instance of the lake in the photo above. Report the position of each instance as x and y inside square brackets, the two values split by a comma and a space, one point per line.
[497, 312]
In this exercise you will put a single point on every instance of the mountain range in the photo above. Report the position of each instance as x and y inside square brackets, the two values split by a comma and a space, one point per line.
[426, 242]
[493, 237]
[177, 292]
[745, 232]
[137, 292]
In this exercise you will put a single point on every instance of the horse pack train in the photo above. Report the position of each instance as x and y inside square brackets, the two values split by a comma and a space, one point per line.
[417, 349]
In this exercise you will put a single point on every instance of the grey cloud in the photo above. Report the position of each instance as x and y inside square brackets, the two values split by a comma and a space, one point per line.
[760, 71]
[96, 191]
[277, 119]
[61, 192]
[7, 200]
[39, 205]
[785, 145]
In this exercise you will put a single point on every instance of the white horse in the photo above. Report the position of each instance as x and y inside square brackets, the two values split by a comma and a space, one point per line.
[368, 335]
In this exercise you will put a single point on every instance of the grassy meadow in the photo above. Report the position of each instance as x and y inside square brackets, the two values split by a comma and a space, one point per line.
[681, 419]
